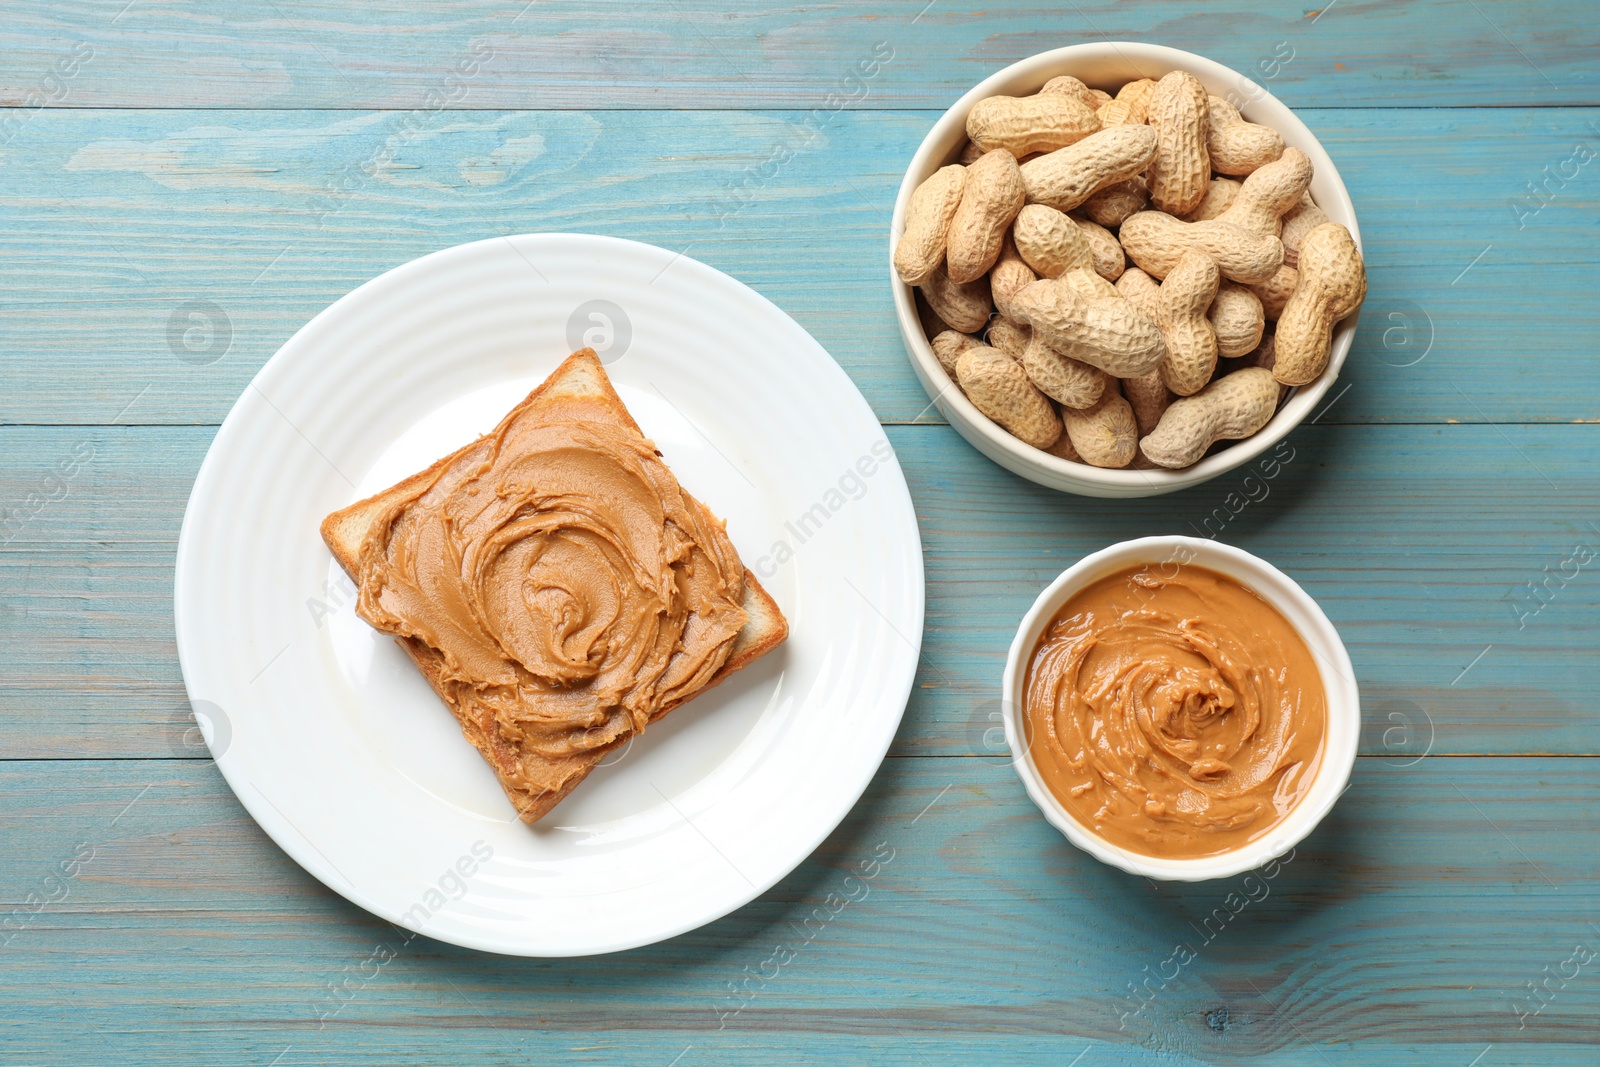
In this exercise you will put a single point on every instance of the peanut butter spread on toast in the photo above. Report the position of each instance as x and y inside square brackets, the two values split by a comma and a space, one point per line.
[571, 587]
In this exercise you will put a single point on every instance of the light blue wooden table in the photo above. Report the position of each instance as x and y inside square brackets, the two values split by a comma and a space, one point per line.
[250, 162]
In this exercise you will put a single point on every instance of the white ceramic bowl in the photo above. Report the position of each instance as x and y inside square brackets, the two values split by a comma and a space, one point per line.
[1108, 66]
[1278, 590]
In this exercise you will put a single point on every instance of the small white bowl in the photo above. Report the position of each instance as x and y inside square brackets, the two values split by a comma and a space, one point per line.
[1278, 590]
[1108, 66]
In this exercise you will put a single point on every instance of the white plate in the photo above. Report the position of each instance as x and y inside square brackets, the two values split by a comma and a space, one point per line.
[342, 753]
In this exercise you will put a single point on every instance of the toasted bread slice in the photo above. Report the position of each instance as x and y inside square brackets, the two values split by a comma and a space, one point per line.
[579, 385]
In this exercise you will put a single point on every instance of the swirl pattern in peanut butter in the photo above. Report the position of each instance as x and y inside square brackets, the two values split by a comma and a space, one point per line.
[573, 589]
[1174, 712]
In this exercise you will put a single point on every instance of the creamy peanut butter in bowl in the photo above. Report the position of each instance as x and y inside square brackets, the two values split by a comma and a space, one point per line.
[1180, 709]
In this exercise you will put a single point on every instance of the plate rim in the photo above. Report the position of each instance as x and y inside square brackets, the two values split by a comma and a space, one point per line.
[299, 847]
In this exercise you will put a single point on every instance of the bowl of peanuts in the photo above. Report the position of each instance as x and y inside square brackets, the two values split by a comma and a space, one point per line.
[1123, 269]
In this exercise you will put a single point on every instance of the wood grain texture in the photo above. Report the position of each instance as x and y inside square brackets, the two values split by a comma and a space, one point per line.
[122, 220]
[186, 184]
[680, 53]
[1420, 572]
[984, 937]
